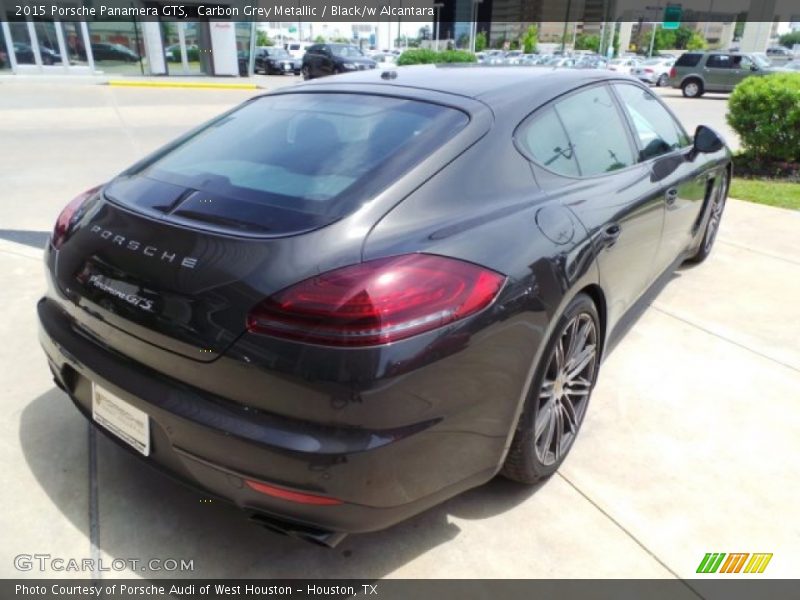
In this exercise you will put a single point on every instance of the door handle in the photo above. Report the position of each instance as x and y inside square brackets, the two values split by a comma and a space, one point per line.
[611, 234]
[671, 196]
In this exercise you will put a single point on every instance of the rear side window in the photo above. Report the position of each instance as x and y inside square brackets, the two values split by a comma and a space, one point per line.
[657, 132]
[320, 153]
[596, 131]
[546, 141]
[688, 60]
[720, 61]
[582, 135]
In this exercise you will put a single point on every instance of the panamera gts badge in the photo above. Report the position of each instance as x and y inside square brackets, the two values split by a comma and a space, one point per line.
[188, 262]
[101, 283]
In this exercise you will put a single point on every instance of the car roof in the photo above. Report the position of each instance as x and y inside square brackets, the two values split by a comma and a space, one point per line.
[487, 83]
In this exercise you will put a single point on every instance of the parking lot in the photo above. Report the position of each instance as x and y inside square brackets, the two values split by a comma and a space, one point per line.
[690, 446]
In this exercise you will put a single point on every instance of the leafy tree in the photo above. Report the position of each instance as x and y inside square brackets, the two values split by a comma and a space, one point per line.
[530, 38]
[665, 40]
[480, 41]
[514, 45]
[587, 42]
[682, 36]
[319, 40]
[696, 42]
[262, 39]
[790, 39]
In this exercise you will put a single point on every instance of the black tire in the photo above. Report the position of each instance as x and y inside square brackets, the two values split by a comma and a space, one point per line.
[719, 196]
[528, 459]
[692, 88]
[306, 73]
[662, 80]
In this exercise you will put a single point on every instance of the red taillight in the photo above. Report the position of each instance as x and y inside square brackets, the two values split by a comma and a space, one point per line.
[65, 219]
[648, 70]
[291, 496]
[377, 302]
[673, 73]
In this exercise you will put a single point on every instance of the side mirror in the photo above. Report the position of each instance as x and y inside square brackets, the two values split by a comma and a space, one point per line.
[706, 140]
[754, 67]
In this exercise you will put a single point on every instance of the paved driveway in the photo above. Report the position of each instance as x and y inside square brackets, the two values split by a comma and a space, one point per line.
[690, 446]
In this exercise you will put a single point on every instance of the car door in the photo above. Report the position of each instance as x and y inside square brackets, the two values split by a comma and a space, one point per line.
[584, 155]
[717, 72]
[325, 58]
[742, 67]
[261, 61]
[663, 146]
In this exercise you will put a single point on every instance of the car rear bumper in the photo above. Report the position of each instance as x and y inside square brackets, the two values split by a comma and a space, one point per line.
[217, 445]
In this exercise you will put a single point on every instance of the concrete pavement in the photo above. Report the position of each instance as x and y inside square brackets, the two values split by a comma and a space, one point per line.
[690, 446]
[709, 110]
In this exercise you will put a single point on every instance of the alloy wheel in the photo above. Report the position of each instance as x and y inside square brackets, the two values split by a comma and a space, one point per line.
[716, 213]
[565, 390]
[691, 89]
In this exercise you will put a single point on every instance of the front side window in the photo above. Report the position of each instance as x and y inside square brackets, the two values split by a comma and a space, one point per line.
[657, 132]
[596, 131]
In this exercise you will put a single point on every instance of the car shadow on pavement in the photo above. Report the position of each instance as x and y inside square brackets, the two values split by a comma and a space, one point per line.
[144, 514]
[35, 239]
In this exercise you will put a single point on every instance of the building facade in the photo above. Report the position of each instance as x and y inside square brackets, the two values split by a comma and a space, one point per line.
[124, 47]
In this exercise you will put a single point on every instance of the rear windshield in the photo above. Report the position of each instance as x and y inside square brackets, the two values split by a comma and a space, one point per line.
[688, 60]
[322, 154]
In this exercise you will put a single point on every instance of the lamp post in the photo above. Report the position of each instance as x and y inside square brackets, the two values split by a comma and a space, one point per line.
[566, 24]
[474, 28]
[438, 7]
[652, 40]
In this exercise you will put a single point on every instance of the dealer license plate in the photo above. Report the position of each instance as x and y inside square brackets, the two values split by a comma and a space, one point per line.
[123, 420]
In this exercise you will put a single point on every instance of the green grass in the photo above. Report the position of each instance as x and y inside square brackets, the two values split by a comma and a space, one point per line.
[764, 191]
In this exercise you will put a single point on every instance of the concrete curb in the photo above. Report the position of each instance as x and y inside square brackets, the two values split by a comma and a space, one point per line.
[183, 84]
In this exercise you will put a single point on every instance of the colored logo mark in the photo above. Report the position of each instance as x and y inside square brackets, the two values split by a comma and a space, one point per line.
[736, 562]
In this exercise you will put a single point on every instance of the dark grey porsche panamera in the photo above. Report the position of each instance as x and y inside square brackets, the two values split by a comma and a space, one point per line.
[346, 301]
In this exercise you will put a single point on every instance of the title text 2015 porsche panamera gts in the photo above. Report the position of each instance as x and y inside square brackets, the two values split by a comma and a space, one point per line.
[346, 301]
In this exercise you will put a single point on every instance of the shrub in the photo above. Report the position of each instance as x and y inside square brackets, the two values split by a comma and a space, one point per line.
[424, 56]
[765, 112]
[480, 41]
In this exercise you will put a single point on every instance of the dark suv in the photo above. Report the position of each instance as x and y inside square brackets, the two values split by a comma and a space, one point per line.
[696, 73]
[328, 59]
[276, 61]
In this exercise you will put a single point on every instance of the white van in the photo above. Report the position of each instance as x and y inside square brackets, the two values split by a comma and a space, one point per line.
[297, 49]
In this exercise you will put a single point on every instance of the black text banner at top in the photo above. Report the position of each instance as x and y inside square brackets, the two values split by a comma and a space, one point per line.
[407, 10]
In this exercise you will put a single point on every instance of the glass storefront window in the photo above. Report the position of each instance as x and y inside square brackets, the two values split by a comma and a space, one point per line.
[21, 41]
[5, 61]
[117, 47]
[73, 40]
[244, 32]
[48, 43]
